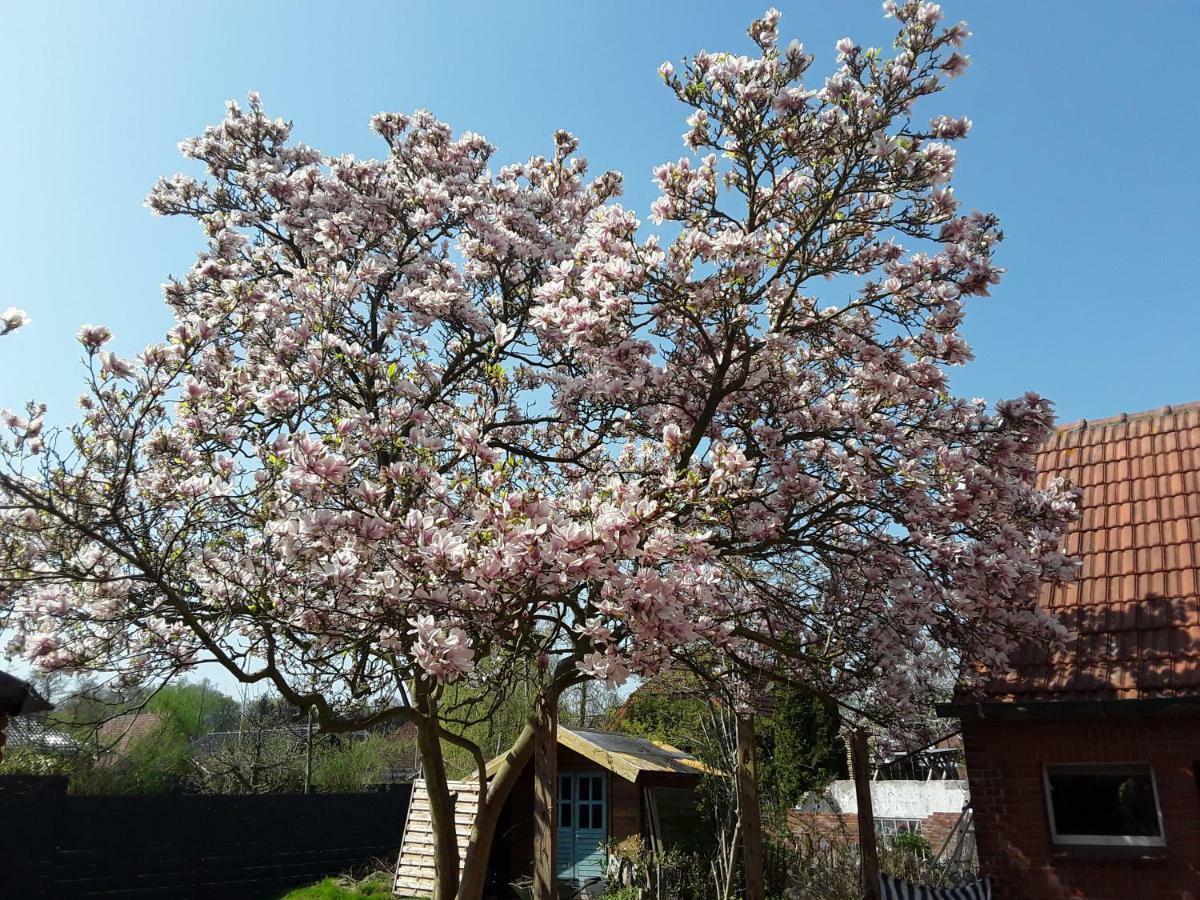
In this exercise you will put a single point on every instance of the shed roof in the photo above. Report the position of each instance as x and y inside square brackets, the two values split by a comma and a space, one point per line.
[18, 697]
[1135, 607]
[623, 754]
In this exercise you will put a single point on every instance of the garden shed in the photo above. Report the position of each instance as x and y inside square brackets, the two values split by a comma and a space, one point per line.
[1084, 764]
[611, 787]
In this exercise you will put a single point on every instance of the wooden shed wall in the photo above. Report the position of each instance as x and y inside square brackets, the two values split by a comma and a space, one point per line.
[512, 857]
[513, 853]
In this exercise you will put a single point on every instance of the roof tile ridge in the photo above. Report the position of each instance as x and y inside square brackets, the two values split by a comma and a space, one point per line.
[1127, 417]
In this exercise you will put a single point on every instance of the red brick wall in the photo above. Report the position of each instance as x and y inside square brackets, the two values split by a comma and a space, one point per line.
[843, 827]
[837, 828]
[937, 827]
[1004, 766]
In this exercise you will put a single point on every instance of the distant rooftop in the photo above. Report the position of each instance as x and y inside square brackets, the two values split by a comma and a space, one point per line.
[30, 734]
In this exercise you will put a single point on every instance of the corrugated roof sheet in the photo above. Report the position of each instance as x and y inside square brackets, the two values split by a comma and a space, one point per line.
[30, 734]
[622, 754]
[627, 755]
[1136, 603]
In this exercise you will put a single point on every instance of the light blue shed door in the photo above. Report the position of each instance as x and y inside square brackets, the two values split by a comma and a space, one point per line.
[582, 825]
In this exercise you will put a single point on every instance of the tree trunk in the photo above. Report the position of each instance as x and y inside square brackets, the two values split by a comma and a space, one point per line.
[861, 764]
[441, 805]
[483, 832]
[749, 813]
[545, 781]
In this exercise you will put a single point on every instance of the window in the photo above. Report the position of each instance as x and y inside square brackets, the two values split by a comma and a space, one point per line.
[565, 804]
[889, 828]
[1104, 805]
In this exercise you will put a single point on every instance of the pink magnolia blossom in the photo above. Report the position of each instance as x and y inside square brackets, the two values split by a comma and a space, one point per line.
[113, 366]
[12, 319]
[427, 416]
[93, 337]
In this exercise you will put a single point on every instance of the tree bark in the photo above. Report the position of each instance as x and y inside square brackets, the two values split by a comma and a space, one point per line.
[545, 782]
[749, 813]
[483, 832]
[861, 764]
[441, 804]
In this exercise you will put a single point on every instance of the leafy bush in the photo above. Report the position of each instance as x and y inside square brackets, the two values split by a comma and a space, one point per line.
[25, 761]
[354, 765]
[911, 842]
[622, 893]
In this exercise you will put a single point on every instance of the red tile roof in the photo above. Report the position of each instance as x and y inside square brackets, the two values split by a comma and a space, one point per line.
[118, 734]
[1136, 604]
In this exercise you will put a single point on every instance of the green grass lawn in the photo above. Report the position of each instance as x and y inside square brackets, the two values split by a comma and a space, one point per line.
[374, 887]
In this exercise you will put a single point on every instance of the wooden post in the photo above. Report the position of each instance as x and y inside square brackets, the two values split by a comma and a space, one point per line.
[545, 786]
[749, 813]
[860, 762]
[308, 753]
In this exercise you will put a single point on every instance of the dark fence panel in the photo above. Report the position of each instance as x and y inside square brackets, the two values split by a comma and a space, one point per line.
[185, 846]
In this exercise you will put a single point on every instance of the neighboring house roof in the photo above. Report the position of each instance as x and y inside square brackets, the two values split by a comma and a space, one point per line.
[1136, 603]
[118, 734]
[30, 734]
[622, 754]
[18, 698]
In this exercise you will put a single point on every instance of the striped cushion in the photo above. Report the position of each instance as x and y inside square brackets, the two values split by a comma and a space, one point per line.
[896, 889]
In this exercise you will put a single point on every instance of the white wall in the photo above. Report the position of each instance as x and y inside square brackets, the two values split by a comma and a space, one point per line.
[903, 799]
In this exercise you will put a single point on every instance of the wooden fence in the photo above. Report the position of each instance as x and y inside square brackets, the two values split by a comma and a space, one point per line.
[189, 846]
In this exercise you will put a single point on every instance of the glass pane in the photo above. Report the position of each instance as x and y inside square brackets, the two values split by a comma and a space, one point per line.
[564, 787]
[584, 785]
[1103, 801]
[597, 815]
[564, 815]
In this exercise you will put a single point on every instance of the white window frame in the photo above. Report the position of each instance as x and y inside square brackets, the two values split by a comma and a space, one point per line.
[889, 826]
[1103, 840]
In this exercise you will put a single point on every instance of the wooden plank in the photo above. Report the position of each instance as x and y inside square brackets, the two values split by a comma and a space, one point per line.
[415, 867]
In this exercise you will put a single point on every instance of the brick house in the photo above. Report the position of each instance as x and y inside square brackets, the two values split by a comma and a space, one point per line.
[1084, 766]
[923, 792]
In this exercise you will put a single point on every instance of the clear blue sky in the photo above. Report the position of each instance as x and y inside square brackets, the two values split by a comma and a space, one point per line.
[1085, 138]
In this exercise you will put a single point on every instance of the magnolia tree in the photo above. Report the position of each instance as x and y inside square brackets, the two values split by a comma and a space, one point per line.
[422, 419]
